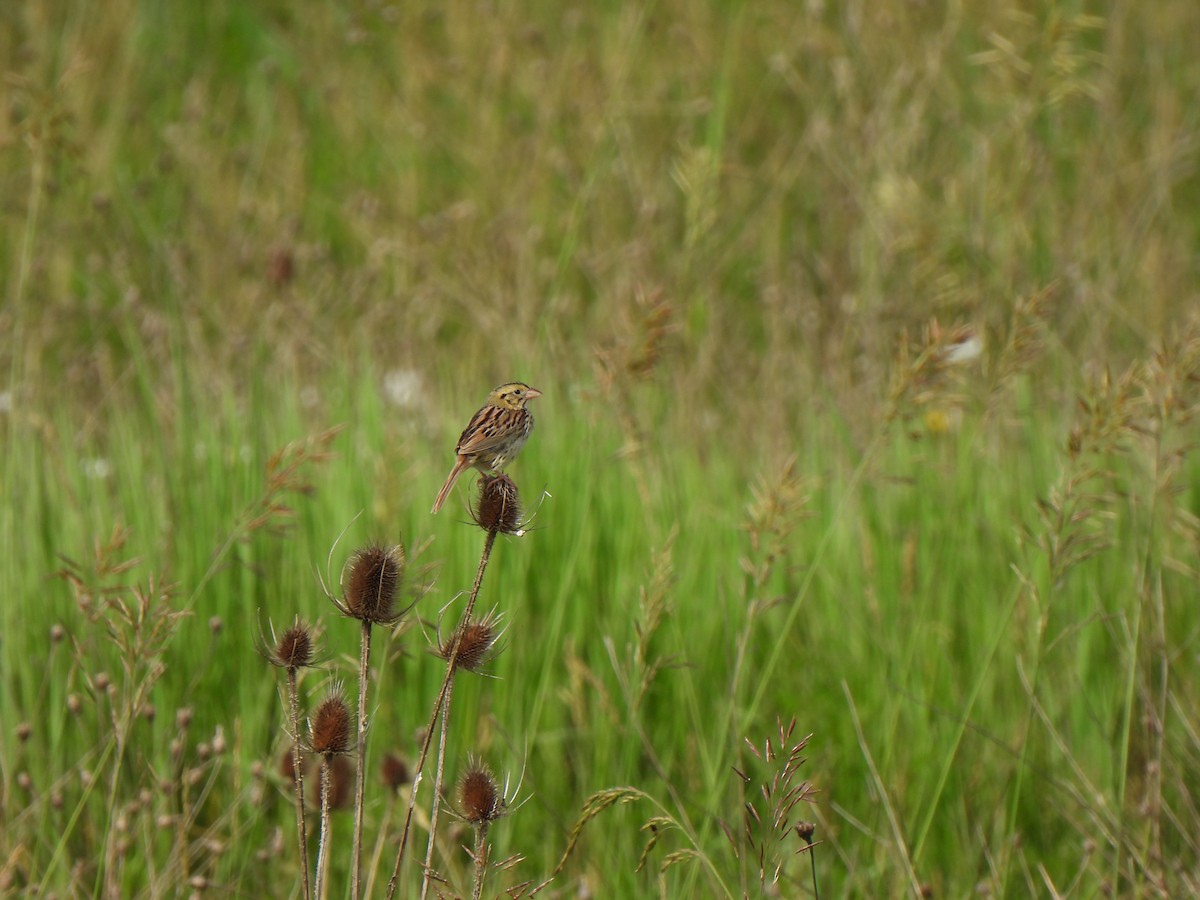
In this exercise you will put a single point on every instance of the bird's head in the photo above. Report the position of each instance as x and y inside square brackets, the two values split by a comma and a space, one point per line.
[513, 396]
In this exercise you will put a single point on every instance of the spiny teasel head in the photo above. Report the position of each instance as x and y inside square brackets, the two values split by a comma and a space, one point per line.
[370, 586]
[478, 644]
[294, 649]
[480, 800]
[330, 728]
[498, 508]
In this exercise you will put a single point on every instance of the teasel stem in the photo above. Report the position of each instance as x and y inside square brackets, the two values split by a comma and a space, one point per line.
[442, 699]
[330, 737]
[298, 778]
[372, 577]
[451, 669]
[364, 662]
[323, 843]
[437, 781]
[481, 854]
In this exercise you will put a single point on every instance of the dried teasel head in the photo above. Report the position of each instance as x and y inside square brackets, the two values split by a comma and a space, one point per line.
[478, 642]
[498, 509]
[295, 648]
[373, 576]
[395, 772]
[330, 727]
[480, 800]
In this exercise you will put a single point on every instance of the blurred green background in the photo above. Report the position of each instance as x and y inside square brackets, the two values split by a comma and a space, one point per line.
[868, 342]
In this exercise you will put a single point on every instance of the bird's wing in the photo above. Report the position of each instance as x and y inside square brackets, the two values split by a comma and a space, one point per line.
[489, 428]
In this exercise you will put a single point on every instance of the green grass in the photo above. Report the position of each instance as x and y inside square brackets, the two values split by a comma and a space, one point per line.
[716, 237]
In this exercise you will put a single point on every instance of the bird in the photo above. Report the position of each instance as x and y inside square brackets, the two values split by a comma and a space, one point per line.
[494, 436]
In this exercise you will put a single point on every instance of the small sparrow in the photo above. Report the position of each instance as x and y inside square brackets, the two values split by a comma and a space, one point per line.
[494, 436]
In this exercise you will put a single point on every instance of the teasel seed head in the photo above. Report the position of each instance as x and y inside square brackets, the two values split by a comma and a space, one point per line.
[479, 797]
[330, 728]
[498, 508]
[371, 583]
[395, 772]
[295, 647]
[479, 643]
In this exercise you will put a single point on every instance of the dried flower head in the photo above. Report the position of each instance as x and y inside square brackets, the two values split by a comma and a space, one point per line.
[478, 644]
[395, 772]
[295, 647]
[498, 508]
[479, 798]
[373, 577]
[331, 732]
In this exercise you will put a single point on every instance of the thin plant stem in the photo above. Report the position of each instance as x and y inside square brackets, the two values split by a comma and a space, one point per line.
[481, 831]
[298, 779]
[364, 661]
[437, 781]
[437, 709]
[323, 844]
[377, 853]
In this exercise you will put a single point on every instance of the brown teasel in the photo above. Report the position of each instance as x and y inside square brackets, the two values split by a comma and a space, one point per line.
[330, 728]
[373, 577]
[498, 508]
[479, 798]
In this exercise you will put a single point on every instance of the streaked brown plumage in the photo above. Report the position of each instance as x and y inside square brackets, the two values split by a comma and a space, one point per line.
[494, 436]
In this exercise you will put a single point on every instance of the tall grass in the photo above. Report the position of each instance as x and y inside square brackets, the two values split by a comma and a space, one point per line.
[261, 263]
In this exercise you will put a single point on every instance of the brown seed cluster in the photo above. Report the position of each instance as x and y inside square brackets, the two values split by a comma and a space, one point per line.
[294, 649]
[479, 796]
[374, 577]
[477, 646]
[395, 772]
[331, 731]
[499, 506]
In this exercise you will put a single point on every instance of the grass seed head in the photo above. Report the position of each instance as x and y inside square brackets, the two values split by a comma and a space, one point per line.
[370, 591]
[330, 727]
[499, 506]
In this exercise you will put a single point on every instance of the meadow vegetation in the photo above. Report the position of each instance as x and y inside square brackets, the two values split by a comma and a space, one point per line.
[863, 492]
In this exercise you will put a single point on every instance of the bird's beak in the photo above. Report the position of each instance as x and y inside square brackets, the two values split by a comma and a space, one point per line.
[531, 393]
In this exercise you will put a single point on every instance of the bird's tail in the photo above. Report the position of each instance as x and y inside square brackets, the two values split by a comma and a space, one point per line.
[459, 468]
